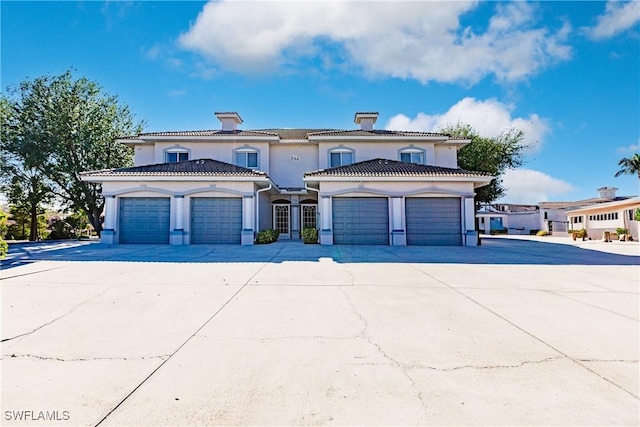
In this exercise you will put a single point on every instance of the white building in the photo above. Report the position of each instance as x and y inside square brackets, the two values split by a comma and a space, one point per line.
[356, 186]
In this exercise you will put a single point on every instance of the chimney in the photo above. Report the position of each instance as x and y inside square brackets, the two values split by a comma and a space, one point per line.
[607, 192]
[230, 121]
[366, 120]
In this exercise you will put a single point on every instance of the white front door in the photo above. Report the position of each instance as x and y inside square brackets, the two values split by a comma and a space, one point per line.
[282, 220]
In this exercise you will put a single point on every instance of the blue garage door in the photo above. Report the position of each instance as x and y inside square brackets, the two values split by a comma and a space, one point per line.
[360, 221]
[144, 219]
[433, 221]
[216, 219]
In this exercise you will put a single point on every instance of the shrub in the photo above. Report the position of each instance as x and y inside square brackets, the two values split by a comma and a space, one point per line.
[637, 215]
[4, 248]
[267, 236]
[582, 233]
[61, 230]
[621, 231]
[501, 231]
[542, 233]
[533, 232]
[310, 235]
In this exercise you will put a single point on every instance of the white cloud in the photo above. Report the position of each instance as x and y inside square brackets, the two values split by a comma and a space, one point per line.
[618, 17]
[417, 40]
[528, 186]
[633, 148]
[488, 118]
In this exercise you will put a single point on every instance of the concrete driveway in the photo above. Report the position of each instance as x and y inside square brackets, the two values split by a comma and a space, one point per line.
[514, 332]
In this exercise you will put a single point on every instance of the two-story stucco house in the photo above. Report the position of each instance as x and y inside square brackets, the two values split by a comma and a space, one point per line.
[357, 186]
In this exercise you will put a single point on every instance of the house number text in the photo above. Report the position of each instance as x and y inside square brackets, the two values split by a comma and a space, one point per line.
[295, 158]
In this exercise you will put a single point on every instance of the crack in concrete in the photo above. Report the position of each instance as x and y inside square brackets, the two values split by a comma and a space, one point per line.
[576, 361]
[90, 359]
[350, 275]
[74, 308]
[196, 332]
[482, 367]
[365, 335]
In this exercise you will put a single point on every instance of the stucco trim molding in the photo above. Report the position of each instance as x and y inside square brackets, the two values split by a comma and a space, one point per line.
[432, 190]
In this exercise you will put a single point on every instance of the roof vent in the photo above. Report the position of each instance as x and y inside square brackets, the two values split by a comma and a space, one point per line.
[230, 120]
[366, 120]
[607, 192]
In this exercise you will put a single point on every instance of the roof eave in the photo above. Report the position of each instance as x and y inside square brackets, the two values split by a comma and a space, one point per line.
[172, 177]
[221, 137]
[479, 179]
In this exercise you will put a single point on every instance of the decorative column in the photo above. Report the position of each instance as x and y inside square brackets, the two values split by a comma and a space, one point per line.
[398, 233]
[108, 233]
[176, 235]
[326, 234]
[248, 206]
[470, 237]
[295, 217]
[179, 212]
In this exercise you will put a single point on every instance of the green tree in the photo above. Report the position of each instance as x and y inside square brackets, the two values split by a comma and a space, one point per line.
[62, 126]
[493, 155]
[27, 191]
[4, 224]
[629, 166]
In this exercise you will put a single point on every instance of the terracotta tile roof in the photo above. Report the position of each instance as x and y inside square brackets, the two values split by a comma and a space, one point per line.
[214, 132]
[206, 167]
[375, 132]
[286, 133]
[384, 167]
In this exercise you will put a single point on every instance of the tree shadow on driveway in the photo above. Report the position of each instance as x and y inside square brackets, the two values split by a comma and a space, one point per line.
[492, 251]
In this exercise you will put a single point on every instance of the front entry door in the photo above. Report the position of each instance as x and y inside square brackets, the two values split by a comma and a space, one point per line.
[282, 220]
[308, 217]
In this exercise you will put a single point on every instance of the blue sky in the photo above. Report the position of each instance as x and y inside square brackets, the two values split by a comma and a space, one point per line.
[564, 72]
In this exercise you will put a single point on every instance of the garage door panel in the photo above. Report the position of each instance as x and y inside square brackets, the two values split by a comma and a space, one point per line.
[433, 221]
[216, 220]
[360, 221]
[144, 219]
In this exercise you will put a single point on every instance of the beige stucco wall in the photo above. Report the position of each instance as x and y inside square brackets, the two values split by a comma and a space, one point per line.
[446, 155]
[222, 151]
[157, 188]
[289, 162]
[143, 155]
[386, 150]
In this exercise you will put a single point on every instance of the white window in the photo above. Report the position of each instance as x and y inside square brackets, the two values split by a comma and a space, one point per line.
[340, 157]
[412, 157]
[412, 154]
[246, 158]
[176, 155]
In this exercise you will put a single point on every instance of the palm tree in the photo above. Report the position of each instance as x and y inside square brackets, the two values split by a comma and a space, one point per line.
[630, 166]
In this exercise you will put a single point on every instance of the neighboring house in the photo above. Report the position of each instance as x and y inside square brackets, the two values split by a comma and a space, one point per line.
[515, 219]
[360, 186]
[606, 216]
[554, 214]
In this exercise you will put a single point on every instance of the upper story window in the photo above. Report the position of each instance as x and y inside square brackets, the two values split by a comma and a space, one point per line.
[173, 155]
[246, 157]
[412, 155]
[340, 157]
